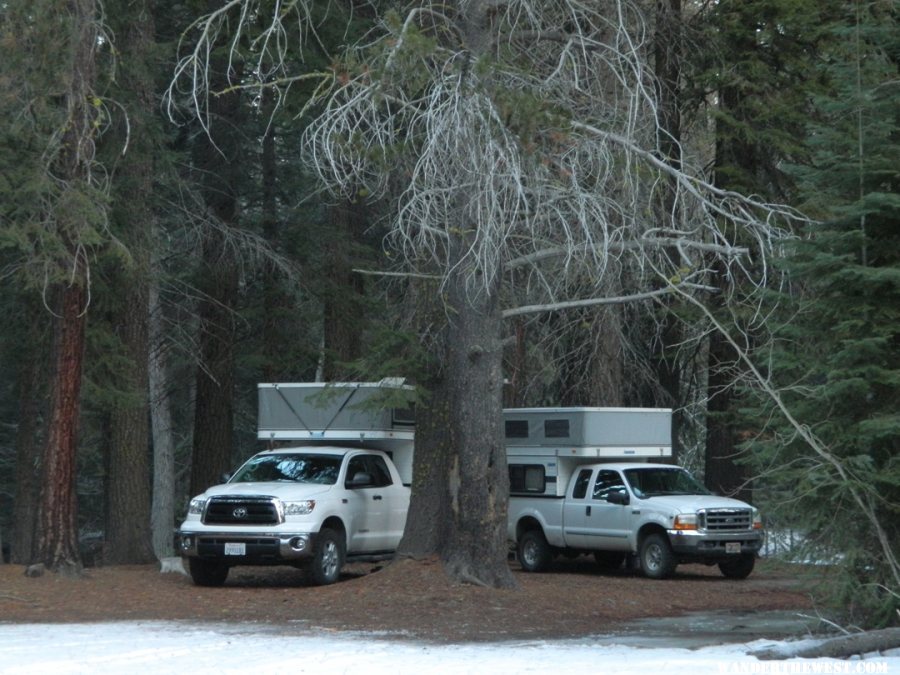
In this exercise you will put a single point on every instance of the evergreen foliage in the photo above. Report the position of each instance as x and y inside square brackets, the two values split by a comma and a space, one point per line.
[838, 354]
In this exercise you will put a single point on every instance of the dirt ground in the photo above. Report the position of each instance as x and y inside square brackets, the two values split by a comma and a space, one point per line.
[405, 599]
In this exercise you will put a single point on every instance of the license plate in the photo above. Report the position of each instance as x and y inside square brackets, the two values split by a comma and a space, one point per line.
[730, 547]
[235, 549]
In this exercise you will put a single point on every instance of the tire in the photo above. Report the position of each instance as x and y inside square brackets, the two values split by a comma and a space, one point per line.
[207, 572]
[657, 559]
[534, 552]
[739, 568]
[609, 560]
[328, 558]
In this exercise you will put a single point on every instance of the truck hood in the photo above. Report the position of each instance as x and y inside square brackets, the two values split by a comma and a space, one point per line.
[693, 503]
[280, 489]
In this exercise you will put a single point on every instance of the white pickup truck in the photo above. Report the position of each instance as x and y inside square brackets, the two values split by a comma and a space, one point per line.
[306, 506]
[570, 496]
[339, 493]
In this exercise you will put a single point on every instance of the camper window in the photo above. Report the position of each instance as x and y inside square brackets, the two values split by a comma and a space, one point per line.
[527, 478]
[517, 428]
[556, 428]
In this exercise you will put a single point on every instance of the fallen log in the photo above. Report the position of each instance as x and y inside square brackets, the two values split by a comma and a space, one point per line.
[837, 648]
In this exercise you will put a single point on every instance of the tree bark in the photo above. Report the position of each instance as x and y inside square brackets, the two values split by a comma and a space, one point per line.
[724, 475]
[429, 502]
[128, 535]
[162, 512]
[668, 55]
[57, 535]
[837, 648]
[477, 479]
[217, 160]
[213, 404]
[128, 539]
[31, 381]
[343, 311]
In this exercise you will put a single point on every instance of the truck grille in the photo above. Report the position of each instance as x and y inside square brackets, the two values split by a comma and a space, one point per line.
[265, 548]
[724, 520]
[241, 511]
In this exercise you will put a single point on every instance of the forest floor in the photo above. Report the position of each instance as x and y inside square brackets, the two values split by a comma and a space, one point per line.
[406, 599]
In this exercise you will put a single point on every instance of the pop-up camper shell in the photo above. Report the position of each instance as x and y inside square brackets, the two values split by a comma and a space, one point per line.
[545, 445]
[346, 414]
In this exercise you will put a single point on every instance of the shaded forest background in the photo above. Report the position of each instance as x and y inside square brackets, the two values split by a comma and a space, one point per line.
[187, 258]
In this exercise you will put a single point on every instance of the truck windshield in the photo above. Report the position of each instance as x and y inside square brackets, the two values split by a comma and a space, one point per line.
[656, 481]
[296, 468]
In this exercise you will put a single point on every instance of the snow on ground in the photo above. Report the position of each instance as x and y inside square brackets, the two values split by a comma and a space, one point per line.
[199, 649]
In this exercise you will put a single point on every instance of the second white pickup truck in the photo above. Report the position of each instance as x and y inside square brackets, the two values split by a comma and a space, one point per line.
[566, 499]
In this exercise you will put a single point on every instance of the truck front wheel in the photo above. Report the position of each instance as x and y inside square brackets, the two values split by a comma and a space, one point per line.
[739, 568]
[207, 572]
[534, 552]
[328, 558]
[657, 559]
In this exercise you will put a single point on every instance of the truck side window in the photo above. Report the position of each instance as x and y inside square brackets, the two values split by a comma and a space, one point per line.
[356, 465]
[379, 471]
[607, 482]
[581, 484]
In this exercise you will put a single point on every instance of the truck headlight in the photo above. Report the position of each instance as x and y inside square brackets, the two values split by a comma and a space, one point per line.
[196, 507]
[685, 521]
[757, 520]
[299, 508]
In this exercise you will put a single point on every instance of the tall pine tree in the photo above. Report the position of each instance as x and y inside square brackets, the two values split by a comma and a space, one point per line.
[838, 359]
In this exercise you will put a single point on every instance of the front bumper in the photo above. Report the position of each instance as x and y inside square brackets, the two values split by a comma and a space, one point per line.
[245, 548]
[698, 544]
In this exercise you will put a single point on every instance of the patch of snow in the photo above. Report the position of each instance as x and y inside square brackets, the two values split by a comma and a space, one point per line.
[201, 649]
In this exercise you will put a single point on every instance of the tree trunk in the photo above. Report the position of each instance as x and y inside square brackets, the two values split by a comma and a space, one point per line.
[668, 55]
[276, 303]
[31, 380]
[57, 535]
[218, 162]
[162, 512]
[128, 537]
[429, 502]
[460, 493]
[343, 313]
[842, 647]
[724, 475]
[475, 546]
[213, 404]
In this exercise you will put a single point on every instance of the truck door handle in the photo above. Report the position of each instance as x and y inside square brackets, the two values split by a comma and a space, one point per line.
[587, 510]
[377, 498]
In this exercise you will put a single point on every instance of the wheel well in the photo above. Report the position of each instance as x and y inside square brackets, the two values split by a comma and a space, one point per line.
[647, 530]
[336, 524]
[526, 525]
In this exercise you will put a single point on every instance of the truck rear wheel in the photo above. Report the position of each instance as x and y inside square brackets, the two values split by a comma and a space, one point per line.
[534, 552]
[739, 568]
[328, 558]
[207, 572]
[657, 559]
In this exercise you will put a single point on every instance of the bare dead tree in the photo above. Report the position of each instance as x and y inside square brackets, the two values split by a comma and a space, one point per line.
[527, 137]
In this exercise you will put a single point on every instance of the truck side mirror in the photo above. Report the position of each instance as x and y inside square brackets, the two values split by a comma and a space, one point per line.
[618, 497]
